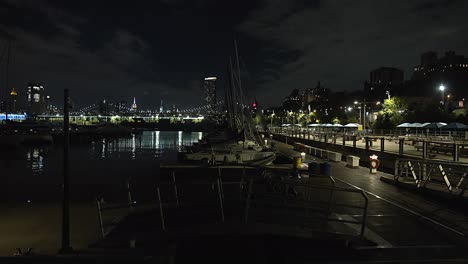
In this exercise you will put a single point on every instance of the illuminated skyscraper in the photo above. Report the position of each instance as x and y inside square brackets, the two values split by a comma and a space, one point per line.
[36, 102]
[209, 86]
[134, 105]
[13, 95]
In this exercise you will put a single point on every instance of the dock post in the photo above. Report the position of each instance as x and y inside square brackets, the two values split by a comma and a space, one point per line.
[308, 134]
[354, 141]
[401, 146]
[456, 152]
[344, 140]
[366, 140]
[382, 144]
[66, 248]
[424, 149]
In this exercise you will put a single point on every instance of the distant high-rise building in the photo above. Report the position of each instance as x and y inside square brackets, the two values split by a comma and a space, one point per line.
[293, 102]
[161, 108]
[382, 80]
[48, 106]
[13, 96]
[134, 105]
[316, 98]
[450, 70]
[36, 102]
[121, 107]
[209, 86]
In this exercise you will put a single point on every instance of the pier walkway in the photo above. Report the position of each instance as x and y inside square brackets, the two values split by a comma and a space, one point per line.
[400, 217]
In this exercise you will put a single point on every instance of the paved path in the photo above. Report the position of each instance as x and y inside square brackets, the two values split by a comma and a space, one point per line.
[401, 218]
[392, 146]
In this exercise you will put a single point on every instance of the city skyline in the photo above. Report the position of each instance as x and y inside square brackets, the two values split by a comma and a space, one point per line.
[167, 50]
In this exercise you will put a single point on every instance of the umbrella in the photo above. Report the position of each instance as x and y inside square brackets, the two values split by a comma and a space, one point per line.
[285, 125]
[337, 125]
[299, 125]
[455, 126]
[314, 125]
[328, 125]
[415, 125]
[404, 125]
[434, 125]
[352, 125]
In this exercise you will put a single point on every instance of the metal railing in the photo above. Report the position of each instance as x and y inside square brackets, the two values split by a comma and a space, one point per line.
[304, 200]
[248, 194]
[452, 175]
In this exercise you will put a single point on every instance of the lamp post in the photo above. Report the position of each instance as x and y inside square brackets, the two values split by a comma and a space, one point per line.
[363, 122]
[442, 89]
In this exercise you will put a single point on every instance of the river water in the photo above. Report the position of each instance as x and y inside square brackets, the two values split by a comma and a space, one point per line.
[98, 167]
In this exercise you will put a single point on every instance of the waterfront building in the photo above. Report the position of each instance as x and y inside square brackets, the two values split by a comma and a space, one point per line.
[209, 86]
[35, 99]
[293, 102]
[383, 81]
[315, 98]
[451, 70]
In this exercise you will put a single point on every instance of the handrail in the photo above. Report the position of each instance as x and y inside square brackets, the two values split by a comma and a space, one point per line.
[290, 183]
[442, 162]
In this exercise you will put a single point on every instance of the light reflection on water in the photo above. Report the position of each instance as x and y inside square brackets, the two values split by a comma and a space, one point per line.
[148, 145]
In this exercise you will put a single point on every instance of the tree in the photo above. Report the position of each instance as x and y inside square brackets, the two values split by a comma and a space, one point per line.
[392, 114]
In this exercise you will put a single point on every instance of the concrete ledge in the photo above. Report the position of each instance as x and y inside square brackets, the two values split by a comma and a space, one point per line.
[352, 161]
[334, 156]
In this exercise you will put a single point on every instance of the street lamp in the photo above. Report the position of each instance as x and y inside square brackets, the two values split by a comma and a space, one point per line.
[442, 89]
[364, 113]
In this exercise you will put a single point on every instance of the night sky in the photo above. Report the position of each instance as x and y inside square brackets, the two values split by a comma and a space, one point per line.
[115, 50]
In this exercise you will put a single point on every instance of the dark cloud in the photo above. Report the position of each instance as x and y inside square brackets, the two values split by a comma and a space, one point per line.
[164, 48]
[339, 42]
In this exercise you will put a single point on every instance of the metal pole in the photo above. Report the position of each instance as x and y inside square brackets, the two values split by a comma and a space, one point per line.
[66, 248]
[161, 213]
[364, 115]
[99, 212]
[129, 193]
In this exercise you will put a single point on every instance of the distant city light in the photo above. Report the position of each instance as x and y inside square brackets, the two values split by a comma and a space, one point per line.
[442, 87]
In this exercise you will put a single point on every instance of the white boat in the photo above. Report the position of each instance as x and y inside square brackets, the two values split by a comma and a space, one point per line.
[249, 157]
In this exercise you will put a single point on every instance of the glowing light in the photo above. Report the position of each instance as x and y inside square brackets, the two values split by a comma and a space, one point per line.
[442, 87]
[210, 78]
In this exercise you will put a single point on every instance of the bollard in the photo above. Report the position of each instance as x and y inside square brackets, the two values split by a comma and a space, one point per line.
[366, 139]
[424, 149]
[456, 152]
[344, 140]
[354, 141]
[382, 144]
[401, 146]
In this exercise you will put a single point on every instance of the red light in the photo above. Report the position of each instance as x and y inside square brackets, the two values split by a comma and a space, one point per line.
[254, 105]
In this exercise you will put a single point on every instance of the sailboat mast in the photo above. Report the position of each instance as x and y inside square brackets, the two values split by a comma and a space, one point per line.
[241, 95]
